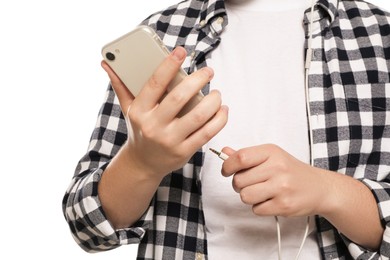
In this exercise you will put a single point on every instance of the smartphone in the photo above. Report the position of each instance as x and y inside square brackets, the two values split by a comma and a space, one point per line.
[136, 55]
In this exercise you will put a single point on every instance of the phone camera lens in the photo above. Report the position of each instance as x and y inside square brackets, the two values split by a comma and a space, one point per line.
[110, 56]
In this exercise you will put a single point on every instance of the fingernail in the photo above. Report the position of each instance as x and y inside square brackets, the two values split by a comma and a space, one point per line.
[208, 71]
[225, 108]
[178, 54]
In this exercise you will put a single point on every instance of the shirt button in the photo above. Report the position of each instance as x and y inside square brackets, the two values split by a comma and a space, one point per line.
[317, 54]
[199, 256]
[220, 20]
[202, 23]
[193, 55]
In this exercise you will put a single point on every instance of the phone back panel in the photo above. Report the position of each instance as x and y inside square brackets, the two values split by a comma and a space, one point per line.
[137, 55]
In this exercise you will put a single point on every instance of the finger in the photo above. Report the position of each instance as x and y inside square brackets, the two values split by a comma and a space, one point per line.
[124, 96]
[244, 159]
[157, 84]
[249, 177]
[228, 150]
[257, 193]
[265, 200]
[201, 114]
[207, 131]
[266, 208]
[174, 102]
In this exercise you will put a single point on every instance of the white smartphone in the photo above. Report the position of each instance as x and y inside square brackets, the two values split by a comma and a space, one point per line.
[136, 55]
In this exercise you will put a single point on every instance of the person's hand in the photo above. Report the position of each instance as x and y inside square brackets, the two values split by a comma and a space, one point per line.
[274, 182]
[159, 141]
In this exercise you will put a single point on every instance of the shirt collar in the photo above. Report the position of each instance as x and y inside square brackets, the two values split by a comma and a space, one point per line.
[330, 7]
[210, 10]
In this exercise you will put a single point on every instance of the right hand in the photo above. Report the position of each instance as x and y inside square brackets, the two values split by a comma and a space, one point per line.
[160, 142]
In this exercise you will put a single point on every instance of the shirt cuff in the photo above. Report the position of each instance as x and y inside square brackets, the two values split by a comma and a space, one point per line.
[381, 192]
[89, 210]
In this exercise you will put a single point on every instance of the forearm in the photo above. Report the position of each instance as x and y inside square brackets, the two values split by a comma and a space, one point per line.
[352, 209]
[126, 189]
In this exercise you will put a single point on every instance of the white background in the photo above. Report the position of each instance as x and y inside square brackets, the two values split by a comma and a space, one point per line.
[51, 87]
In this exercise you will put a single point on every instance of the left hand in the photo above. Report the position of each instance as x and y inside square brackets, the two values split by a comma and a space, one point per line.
[274, 182]
[277, 184]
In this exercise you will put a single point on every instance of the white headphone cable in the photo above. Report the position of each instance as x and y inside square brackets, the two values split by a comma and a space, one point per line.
[280, 240]
[309, 53]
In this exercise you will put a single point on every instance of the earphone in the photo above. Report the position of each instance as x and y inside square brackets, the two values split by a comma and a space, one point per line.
[309, 53]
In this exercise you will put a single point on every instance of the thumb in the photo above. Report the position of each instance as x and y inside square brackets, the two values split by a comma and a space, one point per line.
[228, 151]
[124, 95]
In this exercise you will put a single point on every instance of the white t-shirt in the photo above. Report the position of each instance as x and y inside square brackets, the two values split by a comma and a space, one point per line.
[260, 72]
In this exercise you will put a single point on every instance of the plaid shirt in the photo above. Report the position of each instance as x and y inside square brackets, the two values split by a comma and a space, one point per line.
[349, 102]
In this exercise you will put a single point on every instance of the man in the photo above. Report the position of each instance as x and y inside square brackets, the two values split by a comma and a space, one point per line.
[140, 188]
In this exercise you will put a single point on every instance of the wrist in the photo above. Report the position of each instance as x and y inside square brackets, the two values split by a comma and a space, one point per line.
[339, 190]
[352, 209]
[140, 164]
[330, 200]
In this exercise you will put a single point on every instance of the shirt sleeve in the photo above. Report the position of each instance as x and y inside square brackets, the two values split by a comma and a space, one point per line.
[81, 204]
[381, 192]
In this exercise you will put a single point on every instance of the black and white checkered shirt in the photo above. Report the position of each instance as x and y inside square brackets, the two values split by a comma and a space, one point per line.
[349, 95]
